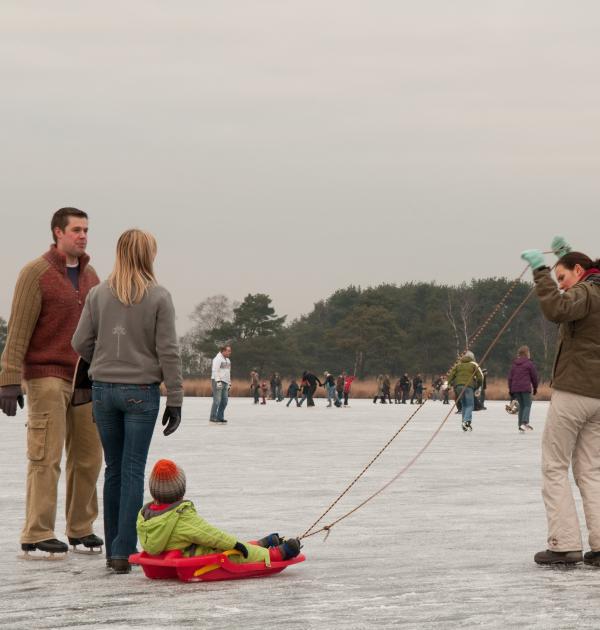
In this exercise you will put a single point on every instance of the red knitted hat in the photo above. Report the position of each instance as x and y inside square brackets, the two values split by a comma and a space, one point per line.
[167, 482]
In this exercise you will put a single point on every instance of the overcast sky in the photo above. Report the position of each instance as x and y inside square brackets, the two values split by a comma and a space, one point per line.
[294, 148]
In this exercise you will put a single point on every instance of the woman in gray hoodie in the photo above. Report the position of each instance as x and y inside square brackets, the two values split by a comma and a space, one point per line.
[127, 334]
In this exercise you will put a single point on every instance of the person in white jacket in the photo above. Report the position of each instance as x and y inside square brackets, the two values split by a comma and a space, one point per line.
[220, 382]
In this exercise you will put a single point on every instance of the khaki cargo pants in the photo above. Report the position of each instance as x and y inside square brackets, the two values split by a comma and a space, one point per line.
[53, 423]
[571, 435]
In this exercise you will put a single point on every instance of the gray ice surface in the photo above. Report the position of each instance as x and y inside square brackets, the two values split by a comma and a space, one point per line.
[450, 545]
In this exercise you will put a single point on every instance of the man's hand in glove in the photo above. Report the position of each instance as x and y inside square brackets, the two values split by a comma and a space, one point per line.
[10, 396]
[241, 548]
[172, 419]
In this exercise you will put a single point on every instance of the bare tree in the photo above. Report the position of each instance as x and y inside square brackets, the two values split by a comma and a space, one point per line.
[452, 320]
[211, 313]
[466, 308]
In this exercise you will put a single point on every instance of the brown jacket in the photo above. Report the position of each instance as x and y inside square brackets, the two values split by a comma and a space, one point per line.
[44, 315]
[577, 310]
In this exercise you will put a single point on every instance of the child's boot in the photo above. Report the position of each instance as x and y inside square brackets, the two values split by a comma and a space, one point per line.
[289, 549]
[272, 540]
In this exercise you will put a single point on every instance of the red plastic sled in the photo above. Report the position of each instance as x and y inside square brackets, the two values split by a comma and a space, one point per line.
[216, 566]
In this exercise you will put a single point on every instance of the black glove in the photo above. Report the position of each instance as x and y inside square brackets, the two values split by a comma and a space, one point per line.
[172, 419]
[241, 548]
[512, 396]
[10, 396]
[535, 391]
[82, 385]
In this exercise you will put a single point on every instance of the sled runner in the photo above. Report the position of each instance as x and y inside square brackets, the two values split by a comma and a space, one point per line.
[216, 566]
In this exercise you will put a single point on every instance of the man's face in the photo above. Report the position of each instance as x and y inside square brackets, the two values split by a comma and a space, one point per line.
[73, 240]
[227, 352]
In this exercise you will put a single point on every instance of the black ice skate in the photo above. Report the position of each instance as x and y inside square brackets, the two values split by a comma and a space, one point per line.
[466, 425]
[92, 543]
[53, 550]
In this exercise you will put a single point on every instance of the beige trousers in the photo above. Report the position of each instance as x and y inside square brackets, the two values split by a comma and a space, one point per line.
[571, 436]
[53, 423]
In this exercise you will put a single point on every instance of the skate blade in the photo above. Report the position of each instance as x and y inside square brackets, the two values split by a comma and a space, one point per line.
[95, 551]
[51, 557]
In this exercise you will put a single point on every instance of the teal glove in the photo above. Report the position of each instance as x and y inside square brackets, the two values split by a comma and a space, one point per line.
[560, 247]
[534, 257]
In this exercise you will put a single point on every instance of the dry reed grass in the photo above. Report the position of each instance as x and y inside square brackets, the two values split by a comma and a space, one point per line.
[366, 388]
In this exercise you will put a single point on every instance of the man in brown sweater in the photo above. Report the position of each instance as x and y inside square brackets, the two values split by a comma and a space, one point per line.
[47, 302]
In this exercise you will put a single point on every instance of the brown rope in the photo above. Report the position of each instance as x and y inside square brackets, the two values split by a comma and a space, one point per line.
[327, 528]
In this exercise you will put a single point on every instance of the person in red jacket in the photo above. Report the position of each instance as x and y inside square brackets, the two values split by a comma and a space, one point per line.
[47, 304]
[347, 385]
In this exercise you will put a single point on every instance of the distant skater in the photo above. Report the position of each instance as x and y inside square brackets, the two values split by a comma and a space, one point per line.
[417, 390]
[220, 381]
[292, 393]
[466, 377]
[405, 384]
[255, 385]
[348, 380]
[522, 381]
[312, 381]
[398, 392]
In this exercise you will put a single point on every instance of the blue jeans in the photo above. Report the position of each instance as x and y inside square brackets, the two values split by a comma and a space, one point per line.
[467, 400]
[125, 416]
[524, 399]
[220, 394]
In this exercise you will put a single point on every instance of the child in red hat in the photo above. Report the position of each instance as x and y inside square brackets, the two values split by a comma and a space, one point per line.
[171, 522]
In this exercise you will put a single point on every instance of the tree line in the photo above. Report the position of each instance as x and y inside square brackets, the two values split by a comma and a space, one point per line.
[413, 327]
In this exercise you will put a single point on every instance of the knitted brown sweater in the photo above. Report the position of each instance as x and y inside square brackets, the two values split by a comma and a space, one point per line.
[45, 312]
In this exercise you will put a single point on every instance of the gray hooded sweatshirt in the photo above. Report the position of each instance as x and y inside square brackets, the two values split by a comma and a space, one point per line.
[134, 344]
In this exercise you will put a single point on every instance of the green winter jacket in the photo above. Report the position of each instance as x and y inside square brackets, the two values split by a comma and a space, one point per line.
[577, 310]
[466, 373]
[179, 526]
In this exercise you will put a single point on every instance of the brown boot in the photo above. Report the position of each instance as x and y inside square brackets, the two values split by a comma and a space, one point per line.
[558, 557]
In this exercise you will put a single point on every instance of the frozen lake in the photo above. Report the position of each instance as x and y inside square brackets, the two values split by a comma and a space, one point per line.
[449, 545]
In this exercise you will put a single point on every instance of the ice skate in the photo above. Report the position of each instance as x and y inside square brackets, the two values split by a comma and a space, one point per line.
[466, 425]
[522, 428]
[53, 550]
[92, 544]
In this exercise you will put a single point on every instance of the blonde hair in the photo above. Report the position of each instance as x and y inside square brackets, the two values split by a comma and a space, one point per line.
[523, 351]
[133, 272]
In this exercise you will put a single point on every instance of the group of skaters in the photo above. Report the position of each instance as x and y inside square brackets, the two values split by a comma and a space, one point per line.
[413, 388]
[337, 388]
[91, 355]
